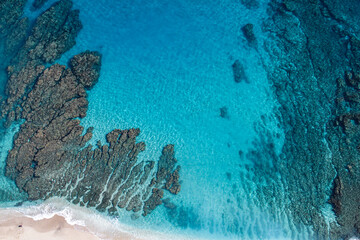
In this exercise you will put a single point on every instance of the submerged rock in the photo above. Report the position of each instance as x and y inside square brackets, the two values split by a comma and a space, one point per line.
[169, 205]
[248, 31]
[228, 176]
[239, 72]
[224, 112]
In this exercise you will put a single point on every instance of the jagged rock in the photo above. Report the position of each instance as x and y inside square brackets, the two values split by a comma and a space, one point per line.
[239, 72]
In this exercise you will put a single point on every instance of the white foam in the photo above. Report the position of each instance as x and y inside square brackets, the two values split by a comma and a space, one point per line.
[100, 225]
[49, 209]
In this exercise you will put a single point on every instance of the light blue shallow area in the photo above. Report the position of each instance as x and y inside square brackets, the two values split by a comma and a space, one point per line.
[9, 193]
[166, 69]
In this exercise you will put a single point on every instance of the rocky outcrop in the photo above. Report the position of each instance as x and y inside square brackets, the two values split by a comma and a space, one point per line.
[51, 154]
[53, 33]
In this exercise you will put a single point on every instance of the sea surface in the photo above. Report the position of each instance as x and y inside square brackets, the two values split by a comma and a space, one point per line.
[167, 69]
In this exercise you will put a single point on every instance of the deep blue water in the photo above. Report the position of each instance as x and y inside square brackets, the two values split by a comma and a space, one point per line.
[167, 70]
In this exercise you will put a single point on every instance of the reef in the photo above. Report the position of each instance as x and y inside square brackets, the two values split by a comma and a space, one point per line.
[344, 135]
[51, 154]
[314, 60]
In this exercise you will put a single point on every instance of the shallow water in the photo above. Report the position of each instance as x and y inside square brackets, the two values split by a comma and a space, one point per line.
[166, 69]
[8, 190]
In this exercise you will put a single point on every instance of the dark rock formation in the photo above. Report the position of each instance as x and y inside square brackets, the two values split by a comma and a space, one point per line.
[51, 155]
[165, 171]
[53, 34]
[248, 31]
[224, 112]
[239, 72]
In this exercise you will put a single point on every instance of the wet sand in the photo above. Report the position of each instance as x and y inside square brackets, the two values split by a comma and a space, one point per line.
[14, 225]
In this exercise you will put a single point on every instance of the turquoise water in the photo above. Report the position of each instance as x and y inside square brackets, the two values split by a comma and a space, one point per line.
[9, 193]
[167, 70]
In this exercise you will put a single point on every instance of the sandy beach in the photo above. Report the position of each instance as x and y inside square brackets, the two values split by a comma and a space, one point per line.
[14, 225]
[57, 219]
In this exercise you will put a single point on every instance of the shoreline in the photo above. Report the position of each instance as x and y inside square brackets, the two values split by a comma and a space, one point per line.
[57, 219]
[14, 225]
[17, 225]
